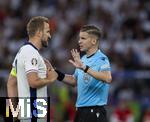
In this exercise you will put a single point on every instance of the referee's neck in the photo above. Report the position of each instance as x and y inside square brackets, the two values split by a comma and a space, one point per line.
[91, 51]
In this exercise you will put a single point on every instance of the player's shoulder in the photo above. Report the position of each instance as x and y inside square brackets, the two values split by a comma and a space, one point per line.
[28, 49]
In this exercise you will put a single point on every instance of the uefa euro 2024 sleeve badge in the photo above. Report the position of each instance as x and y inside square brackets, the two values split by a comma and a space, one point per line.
[34, 61]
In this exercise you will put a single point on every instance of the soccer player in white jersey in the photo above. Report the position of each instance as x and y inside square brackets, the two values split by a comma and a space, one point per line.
[31, 73]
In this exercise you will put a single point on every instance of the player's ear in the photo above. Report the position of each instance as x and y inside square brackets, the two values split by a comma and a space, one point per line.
[38, 33]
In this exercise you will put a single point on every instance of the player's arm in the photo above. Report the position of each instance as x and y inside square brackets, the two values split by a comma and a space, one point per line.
[12, 84]
[31, 62]
[99, 75]
[36, 82]
[12, 89]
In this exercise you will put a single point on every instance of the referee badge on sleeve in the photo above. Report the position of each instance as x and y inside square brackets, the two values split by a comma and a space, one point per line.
[105, 66]
[34, 61]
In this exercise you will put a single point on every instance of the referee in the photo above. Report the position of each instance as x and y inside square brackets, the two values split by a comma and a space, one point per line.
[92, 77]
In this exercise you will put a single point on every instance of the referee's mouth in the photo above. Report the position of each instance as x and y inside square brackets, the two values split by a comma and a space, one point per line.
[80, 46]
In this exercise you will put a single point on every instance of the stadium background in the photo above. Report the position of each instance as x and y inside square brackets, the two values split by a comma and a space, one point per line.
[126, 41]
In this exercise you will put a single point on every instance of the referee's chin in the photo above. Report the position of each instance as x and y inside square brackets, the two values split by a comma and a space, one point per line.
[81, 50]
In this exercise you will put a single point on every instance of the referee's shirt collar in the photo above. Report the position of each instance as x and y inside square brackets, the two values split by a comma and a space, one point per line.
[29, 43]
[93, 54]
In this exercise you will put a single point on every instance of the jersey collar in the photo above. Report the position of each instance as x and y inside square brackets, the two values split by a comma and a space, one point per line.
[93, 54]
[29, 43]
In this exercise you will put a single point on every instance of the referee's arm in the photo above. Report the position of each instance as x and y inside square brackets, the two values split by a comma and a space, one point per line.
[100, 75]
[70, 80]
[66, 78]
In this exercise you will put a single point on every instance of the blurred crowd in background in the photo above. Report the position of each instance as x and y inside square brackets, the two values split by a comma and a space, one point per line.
[126, 41]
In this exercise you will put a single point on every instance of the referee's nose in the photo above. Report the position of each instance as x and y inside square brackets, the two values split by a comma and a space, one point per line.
[79, 41]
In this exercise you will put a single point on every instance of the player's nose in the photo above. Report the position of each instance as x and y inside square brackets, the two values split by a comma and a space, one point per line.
[49, 37]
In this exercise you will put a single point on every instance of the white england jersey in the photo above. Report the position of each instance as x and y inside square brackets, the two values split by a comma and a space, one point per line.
[28, 60]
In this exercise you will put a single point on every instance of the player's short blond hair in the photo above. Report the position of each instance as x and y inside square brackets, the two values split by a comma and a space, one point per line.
[36, 24]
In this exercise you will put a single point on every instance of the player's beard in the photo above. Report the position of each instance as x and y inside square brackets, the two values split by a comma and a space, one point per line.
[44, 43]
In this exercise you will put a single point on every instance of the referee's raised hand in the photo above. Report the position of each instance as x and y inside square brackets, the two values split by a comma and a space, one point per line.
[76, 59]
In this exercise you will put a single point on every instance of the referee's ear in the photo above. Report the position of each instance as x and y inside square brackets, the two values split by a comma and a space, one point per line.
[94, 41]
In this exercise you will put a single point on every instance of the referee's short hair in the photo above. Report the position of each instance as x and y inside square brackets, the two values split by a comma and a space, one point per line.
[93, 30]
[36, 24]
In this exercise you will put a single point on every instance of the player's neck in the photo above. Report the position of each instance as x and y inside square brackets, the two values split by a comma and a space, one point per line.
[35, 42]
[91, 51]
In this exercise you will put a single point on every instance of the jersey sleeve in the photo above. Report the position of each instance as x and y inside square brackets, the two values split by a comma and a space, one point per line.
[105, 65]
[31, 61]
[13, 71]
[14, 62]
